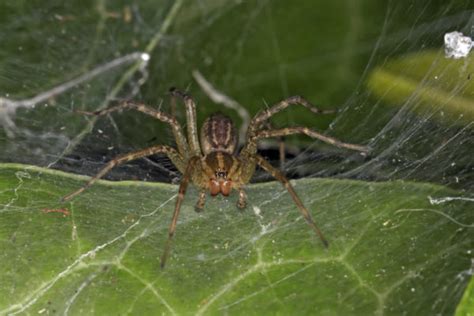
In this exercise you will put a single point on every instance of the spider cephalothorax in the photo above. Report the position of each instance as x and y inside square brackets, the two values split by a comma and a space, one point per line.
[221, 168]
[213, 164]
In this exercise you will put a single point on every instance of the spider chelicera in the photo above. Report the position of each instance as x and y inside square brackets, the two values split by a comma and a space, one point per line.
[213, 165]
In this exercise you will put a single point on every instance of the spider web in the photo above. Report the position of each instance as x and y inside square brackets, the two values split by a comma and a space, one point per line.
[58, 58]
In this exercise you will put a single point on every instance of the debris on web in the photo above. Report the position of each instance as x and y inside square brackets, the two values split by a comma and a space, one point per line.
[456, 45]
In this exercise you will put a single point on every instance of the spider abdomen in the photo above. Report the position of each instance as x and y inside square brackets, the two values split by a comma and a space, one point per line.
[218, 134]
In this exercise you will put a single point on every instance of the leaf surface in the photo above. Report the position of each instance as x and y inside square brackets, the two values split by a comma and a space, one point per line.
[427, 82]
[395, 247]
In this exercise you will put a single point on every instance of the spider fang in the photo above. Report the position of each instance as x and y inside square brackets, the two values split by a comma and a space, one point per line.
[223, 187]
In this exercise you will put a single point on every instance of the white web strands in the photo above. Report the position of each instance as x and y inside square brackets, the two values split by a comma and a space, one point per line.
[8, 106]
[456, 45]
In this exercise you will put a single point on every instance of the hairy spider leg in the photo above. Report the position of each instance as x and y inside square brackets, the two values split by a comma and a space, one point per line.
[281, 145]
[181, 141]
[281, 139]
[242, 202]
[293, 100]
[201, 201]
[190, 119]
[264, 115]
[304, 211]
[250, 148]
[173, 155]
[181, 193]
[311, 133]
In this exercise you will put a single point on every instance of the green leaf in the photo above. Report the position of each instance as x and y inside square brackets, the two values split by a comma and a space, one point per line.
[427, 82]
[395, 248]
[466, 306]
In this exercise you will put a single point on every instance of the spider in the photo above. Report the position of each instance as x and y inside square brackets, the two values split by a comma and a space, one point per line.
[213, 164]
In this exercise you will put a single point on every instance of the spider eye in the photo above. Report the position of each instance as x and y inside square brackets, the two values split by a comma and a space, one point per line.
[221, 174]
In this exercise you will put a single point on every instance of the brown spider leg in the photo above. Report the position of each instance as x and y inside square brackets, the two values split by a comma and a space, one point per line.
[250, 147]
[171, 152]
[190, 119]
[242, 202]
[294, 100]
[304, 211]
[181, 142]
[201, 201]
[281, 146]
[281, 150]
[182, 191]
[311, 133]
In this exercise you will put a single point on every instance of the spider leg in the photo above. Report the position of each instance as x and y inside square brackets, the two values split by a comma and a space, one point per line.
[281, 146]
[242, 202]
[311, 133]
[171, 152]
[201, 201]
[190, 119]
[264, 115]
[304, 211]
[261, 117]
[181, 142]
[182, 191]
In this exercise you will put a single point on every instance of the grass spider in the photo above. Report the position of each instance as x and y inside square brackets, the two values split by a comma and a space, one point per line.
[213, 164]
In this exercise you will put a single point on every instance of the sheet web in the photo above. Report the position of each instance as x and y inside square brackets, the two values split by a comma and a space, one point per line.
[395, 91]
